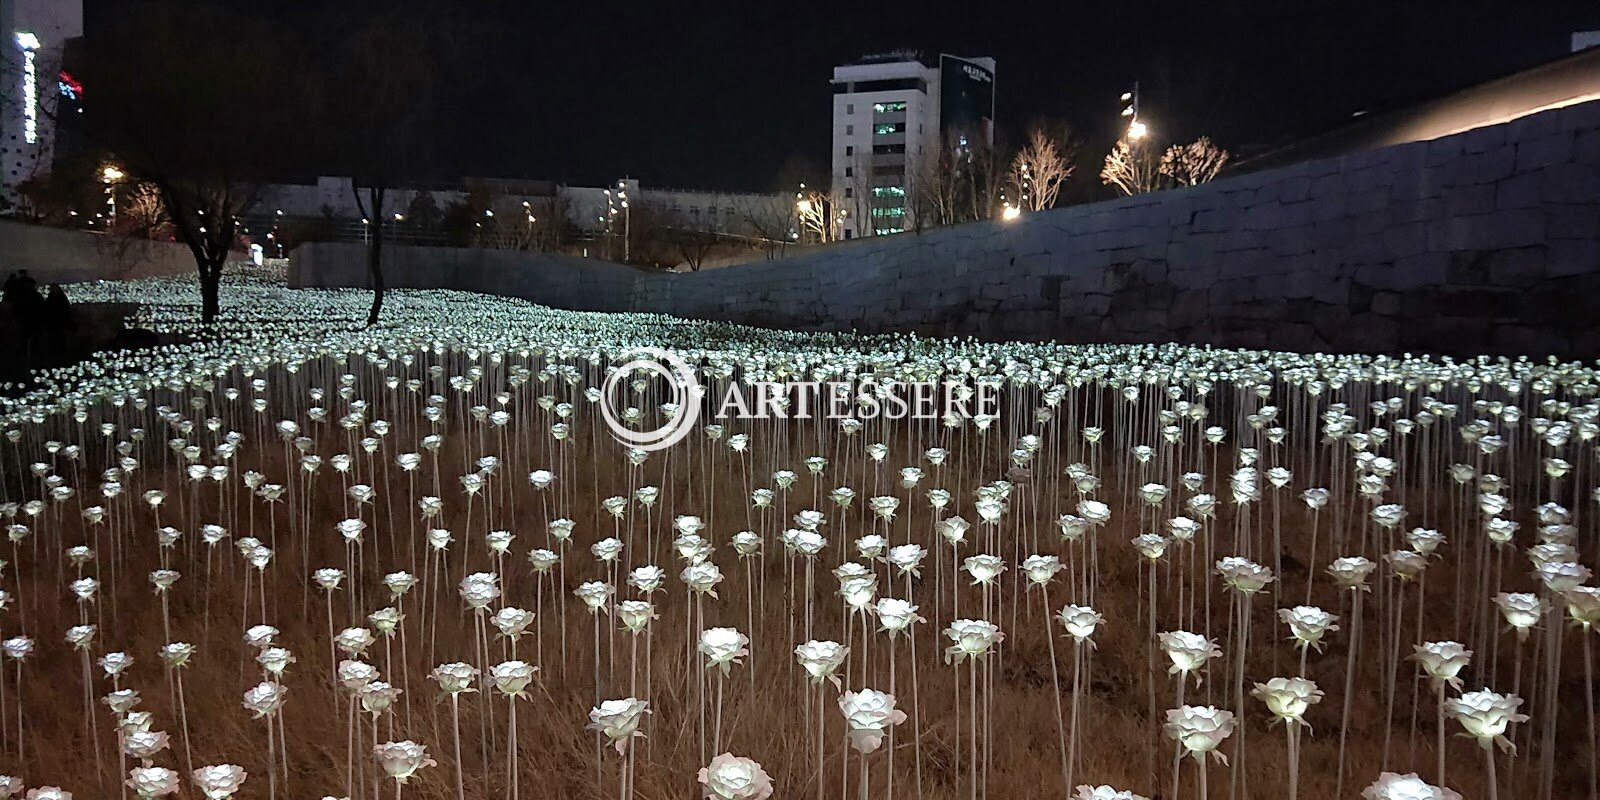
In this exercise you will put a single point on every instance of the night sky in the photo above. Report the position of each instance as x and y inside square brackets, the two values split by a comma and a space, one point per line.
[736, 95]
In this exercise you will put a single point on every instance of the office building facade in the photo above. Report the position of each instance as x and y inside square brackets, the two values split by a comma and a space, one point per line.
[891, 114]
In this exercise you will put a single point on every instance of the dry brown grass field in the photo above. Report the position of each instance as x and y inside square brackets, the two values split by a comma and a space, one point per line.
[57, 731]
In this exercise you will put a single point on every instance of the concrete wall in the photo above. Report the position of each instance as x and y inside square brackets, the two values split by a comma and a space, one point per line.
[54, 255]
[1486, 241]
[563, 281]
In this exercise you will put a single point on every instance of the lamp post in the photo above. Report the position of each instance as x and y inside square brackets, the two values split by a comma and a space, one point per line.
[1136, 129]
[110, 175]
[617, 204]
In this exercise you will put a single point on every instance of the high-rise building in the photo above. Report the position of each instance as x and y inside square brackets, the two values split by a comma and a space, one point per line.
[35, 37]
[891, 113]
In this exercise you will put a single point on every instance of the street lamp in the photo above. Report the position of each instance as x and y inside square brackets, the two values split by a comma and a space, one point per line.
[110, 175]
[1136, 130]
[1010, 213]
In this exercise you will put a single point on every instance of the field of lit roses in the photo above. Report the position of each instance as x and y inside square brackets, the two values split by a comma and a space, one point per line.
[294, 557]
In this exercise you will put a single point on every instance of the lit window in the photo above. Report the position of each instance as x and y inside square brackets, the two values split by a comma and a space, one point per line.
[888, 108]
[884, 128]
[888, 191]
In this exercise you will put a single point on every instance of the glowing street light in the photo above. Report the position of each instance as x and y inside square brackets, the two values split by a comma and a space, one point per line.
[1137, 130]
[1010, 213]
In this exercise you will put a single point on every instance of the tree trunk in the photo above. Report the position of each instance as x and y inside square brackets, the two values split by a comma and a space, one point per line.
[375, 257]
[210, 289]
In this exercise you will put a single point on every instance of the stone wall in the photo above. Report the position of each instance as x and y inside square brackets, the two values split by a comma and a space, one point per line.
[1486, 241]
[53, 255]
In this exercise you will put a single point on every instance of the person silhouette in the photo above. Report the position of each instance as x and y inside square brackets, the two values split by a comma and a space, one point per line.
[57, 309]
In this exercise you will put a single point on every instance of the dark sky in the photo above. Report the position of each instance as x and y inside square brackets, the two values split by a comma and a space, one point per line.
[726, 95]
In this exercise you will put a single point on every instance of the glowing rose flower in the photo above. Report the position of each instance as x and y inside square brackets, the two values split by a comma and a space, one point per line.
[541, 478]
[561, 529]
[386, 620]
[1485, 715]
[723, 647]
[328, 578]
[635, 615]
[1188, 652]
[355, 674]
[871, 546]
[1087, 792]
[607, 550]
[275, 660]
[1288, 698]
[594, 595]
[1182, 529]
[731, 777]
[10, 785]
[1150, 545]
[1583, 605]
[1521, 610]
[498, 542]
[121, 701]
[49, 793]
[747, 544]
[953, 530]
[1407, 564]
[702, 577]
[479, 589]
[377, 697]
[152, 782]
[1094, 511]
[1389, 515]
[399, 583]
[354, 641]
[264, 699]
[1443, 661]
[401, 760]
[647, 578]
[1200, 729]
[972, 638]
[455, 677]
[1563, 576]
[512, 677]
[896, 615]
[1202, 505]
[145, 745]
[512, 622]
[820, 659]
[1041, 569]
[1243, 575]
[1307, 625]
[984, 568]
[1391, 786]
[1080, 622]
[1351, 572]
[867, 713]
[542, 559]
[82, 636]
[618, 720]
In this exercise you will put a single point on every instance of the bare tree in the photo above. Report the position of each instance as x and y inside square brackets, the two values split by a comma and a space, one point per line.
[773, 222]
[815, 210]
[1039, 168]
[200, 117]
[1133, 168]
[1193, 163]
[381, 92]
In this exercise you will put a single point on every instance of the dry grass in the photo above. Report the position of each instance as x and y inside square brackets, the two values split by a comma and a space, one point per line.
[767, 706]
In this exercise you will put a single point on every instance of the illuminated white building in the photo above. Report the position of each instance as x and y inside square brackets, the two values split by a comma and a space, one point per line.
[891, 113]
[35, 36]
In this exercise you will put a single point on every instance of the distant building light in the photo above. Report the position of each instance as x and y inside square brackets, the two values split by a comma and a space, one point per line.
[29, 43]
